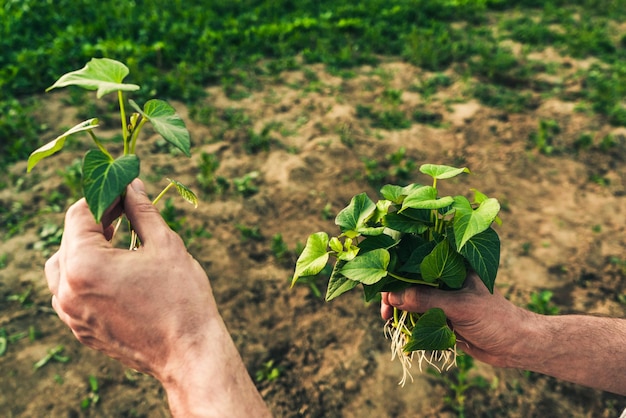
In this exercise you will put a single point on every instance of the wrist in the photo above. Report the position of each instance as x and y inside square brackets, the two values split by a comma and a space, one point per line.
[207, 378]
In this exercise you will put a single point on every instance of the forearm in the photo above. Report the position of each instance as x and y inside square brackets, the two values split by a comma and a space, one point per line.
[586, 350]
[213, 382]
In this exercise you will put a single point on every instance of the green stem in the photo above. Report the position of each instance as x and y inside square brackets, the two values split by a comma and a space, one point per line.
[99, 145]
[135, 134]
[120, 97]
[156, 199]
[414, 281]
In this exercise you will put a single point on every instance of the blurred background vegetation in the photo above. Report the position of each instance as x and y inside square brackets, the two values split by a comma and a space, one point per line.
[174, 48]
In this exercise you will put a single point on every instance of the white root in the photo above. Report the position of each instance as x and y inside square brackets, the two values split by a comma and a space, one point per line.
[399, 334]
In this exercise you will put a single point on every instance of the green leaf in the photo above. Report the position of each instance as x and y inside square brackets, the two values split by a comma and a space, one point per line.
[56, 144]
[185, 192]
[469, 222]
[482, 251]
[376, 242]
[412, 265]
[444, 264]
[354, 216]
[367, 268]
[313, 258]
[396, 194]
[102, 74]
[399, 222]
[425, 197]
[442, 171]
[431, 332]
[104, 179]
[338, 283]
[167, 123]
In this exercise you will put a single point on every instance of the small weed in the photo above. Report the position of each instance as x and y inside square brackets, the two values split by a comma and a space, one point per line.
[327, 212]
[249, 232]
[93, 397]
[543, 139]
[268, 372]
[395, 168]
[246, 185]
[171, 216]
[49, 238]
[427, 117]
[540, 302]
[4, 260]
[279, 247]
[54, 354]
[73, 178]
[206, 177]
[458, 382]
[23, 298]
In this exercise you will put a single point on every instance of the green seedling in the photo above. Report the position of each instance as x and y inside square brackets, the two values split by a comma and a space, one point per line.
[54, 354]
[105, 177]
[411, 236]
[94, 393]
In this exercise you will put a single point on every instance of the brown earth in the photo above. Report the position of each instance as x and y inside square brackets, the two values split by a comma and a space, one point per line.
[564, 230]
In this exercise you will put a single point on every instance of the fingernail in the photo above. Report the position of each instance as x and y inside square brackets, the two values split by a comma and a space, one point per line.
[137, 186]
[396, 298]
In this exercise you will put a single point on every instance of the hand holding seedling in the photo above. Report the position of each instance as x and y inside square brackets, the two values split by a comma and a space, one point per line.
[583, 349]
[152, 309]
[105, 177]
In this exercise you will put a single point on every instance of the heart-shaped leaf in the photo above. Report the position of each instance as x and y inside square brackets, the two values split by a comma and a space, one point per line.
[104, 179]
[396, 194]
[354, 216]
[482, 251]
[425, 197]
[313, 258]
[399, 222]
[469, 222]
[56, 144]
[185, 192]
[338, 284]
[444, 264]
[431, 332]
[167, 123]
[102, 74]
[367, 268]
[440, 172]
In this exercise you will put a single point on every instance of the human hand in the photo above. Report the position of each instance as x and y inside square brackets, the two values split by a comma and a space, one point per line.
[487, 325]
[152, 309]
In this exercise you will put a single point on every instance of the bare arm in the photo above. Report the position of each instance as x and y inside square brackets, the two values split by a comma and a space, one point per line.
[151, 309]
[587, 350]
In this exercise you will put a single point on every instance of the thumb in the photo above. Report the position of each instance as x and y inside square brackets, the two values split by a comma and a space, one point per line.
[417, 299]
[143, 215]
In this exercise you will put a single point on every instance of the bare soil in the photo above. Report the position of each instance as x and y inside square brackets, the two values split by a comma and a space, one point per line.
[564, 230]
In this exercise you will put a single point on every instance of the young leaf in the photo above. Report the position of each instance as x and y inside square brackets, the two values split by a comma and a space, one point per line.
[56, 144]
[102, 74]
[185, 192]
[313, 258]
[431, 332]
[469, 222]
[482, 251]
[425, 197]
[444, 264]
[354, 216]
[442, 171]
[105, 179]
[338, 283]
[396, 194]
[367, 268]
[167, 123]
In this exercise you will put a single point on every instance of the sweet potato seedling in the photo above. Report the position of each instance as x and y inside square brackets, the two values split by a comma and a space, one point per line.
[411, 236]
[105, 177]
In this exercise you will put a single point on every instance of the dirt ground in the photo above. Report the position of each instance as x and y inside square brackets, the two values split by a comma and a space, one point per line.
[564, 230]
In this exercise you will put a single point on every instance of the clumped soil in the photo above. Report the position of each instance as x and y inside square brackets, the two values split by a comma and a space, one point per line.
[563, 230]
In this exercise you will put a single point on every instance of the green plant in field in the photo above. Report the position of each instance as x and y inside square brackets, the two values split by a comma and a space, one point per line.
[459, 382]
[93, 397]
[268, 372]
[541, 303]
[543, 138]
[247, 184]
[105, 177]
[396, 167]
[54, 354]
[411, 236]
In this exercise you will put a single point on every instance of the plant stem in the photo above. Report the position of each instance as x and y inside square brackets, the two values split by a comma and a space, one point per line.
[415, 281]
[135, 134]
[156, 199]
[120, 97]
[99, 145]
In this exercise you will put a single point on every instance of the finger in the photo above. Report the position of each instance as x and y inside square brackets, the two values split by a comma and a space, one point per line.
[53, 273]
[386, 310]
[81, 229]
[143, 215]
